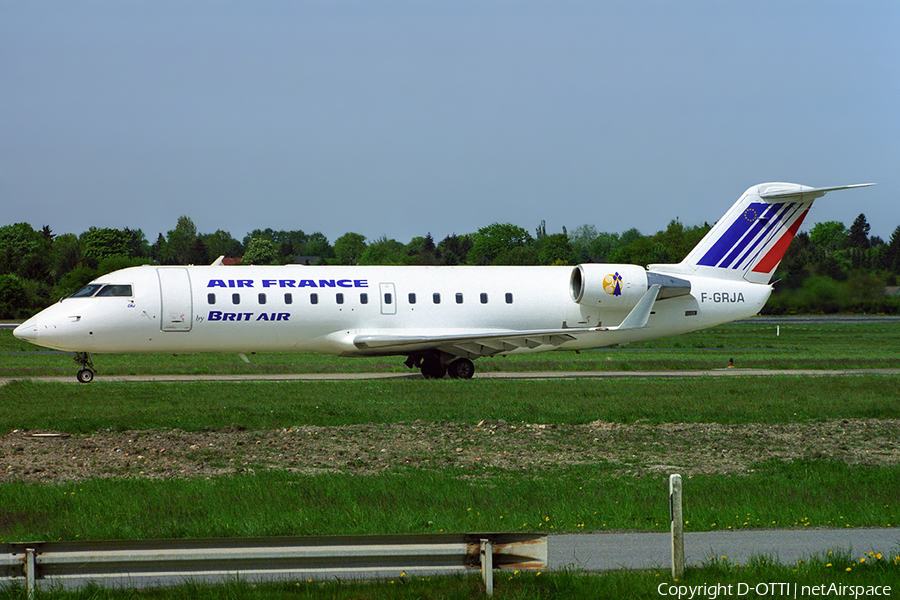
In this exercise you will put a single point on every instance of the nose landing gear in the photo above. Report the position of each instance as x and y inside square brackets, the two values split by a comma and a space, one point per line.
[86, 374]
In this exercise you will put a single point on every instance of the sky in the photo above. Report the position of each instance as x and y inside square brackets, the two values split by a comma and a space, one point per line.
[401, 118]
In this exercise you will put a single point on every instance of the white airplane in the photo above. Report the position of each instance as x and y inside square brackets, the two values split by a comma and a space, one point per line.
[440, 318]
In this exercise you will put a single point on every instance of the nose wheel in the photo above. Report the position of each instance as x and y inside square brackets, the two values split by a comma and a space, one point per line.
[86, 374]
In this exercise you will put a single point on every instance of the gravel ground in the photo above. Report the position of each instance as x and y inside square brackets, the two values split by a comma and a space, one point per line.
[636, 449]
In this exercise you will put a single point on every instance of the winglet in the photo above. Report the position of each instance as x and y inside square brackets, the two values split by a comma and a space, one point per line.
[640, 314]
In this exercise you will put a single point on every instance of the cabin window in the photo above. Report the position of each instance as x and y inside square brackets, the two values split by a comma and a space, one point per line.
[483, 298]
[262, 298]
[459, 298]
[235, 298]
[437, 298]
[690, 313]
[509, 298]
[412, 298]
[364, 298]
[313, 298]
[210, 298]
[121, 290]
[388, 298]
[339, 297]
[288, 298]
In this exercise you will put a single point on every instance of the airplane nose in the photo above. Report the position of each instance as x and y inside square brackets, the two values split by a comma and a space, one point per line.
[26, 332]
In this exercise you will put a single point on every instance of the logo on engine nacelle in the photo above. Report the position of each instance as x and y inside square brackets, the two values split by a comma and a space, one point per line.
[612, 284]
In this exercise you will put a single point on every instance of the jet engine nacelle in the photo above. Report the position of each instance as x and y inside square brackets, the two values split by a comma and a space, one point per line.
[621, 286]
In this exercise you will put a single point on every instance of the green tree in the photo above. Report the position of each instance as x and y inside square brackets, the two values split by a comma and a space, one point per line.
[24, 251]
[581, 239]
[348, 248]
[179, 241]
[260, 251]
[198, 254]
[317, 245]
[100, 243]
[65, 254]
[892, 258]
[829, 236]
[603, 246]
[489, 242]
[221, 243]
[421, 251]
[555, 249]
[13, 296]
[454, 250]
[383, 252]
[858, 236]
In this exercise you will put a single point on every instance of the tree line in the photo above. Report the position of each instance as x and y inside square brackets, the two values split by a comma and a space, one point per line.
[829, 269]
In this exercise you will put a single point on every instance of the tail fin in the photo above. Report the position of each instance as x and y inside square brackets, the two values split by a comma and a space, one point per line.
[751, 239]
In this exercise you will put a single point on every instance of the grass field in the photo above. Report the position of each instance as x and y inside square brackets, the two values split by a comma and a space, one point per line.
[804, 493]
[758, 343]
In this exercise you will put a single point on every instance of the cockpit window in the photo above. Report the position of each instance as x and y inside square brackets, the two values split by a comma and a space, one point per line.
[87, 291]
[98, 289]
[117, 289]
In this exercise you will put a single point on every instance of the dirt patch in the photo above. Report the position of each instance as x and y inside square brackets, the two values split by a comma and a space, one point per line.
[638, 448]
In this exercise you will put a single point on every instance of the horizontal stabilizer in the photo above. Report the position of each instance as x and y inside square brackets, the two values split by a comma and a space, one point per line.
[807, 193]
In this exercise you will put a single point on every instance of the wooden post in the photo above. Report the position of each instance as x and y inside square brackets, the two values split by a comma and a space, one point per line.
[677, 526]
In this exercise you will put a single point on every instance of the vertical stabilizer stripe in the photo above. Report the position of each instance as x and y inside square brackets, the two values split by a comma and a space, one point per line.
[761, 229]
[776, 224]
[733, 235]
[774, 256]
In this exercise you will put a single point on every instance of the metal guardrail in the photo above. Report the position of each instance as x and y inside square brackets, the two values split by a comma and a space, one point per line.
[144, 563]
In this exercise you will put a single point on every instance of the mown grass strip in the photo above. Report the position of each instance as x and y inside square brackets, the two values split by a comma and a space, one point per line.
[196, 406]
[828, 575]
[584, 498]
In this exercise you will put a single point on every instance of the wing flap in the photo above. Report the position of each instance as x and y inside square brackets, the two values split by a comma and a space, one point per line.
[474, 343]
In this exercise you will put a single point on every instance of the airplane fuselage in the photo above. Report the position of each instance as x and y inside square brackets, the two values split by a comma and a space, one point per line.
[325, 309]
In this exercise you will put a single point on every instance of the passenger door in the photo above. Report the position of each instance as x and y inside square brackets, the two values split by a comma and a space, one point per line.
[176, 312]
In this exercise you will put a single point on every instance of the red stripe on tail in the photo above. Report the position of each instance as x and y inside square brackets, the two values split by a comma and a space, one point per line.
[774, 256]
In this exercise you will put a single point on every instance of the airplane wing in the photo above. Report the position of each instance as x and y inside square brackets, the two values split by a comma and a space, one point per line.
[488, 343]
[471, 344]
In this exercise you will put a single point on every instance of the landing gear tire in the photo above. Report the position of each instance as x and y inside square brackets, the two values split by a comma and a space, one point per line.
[86, 374]
[461, 368]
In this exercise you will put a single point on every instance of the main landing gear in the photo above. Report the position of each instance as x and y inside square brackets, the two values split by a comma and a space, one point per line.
[86, 374]
[435, 364]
